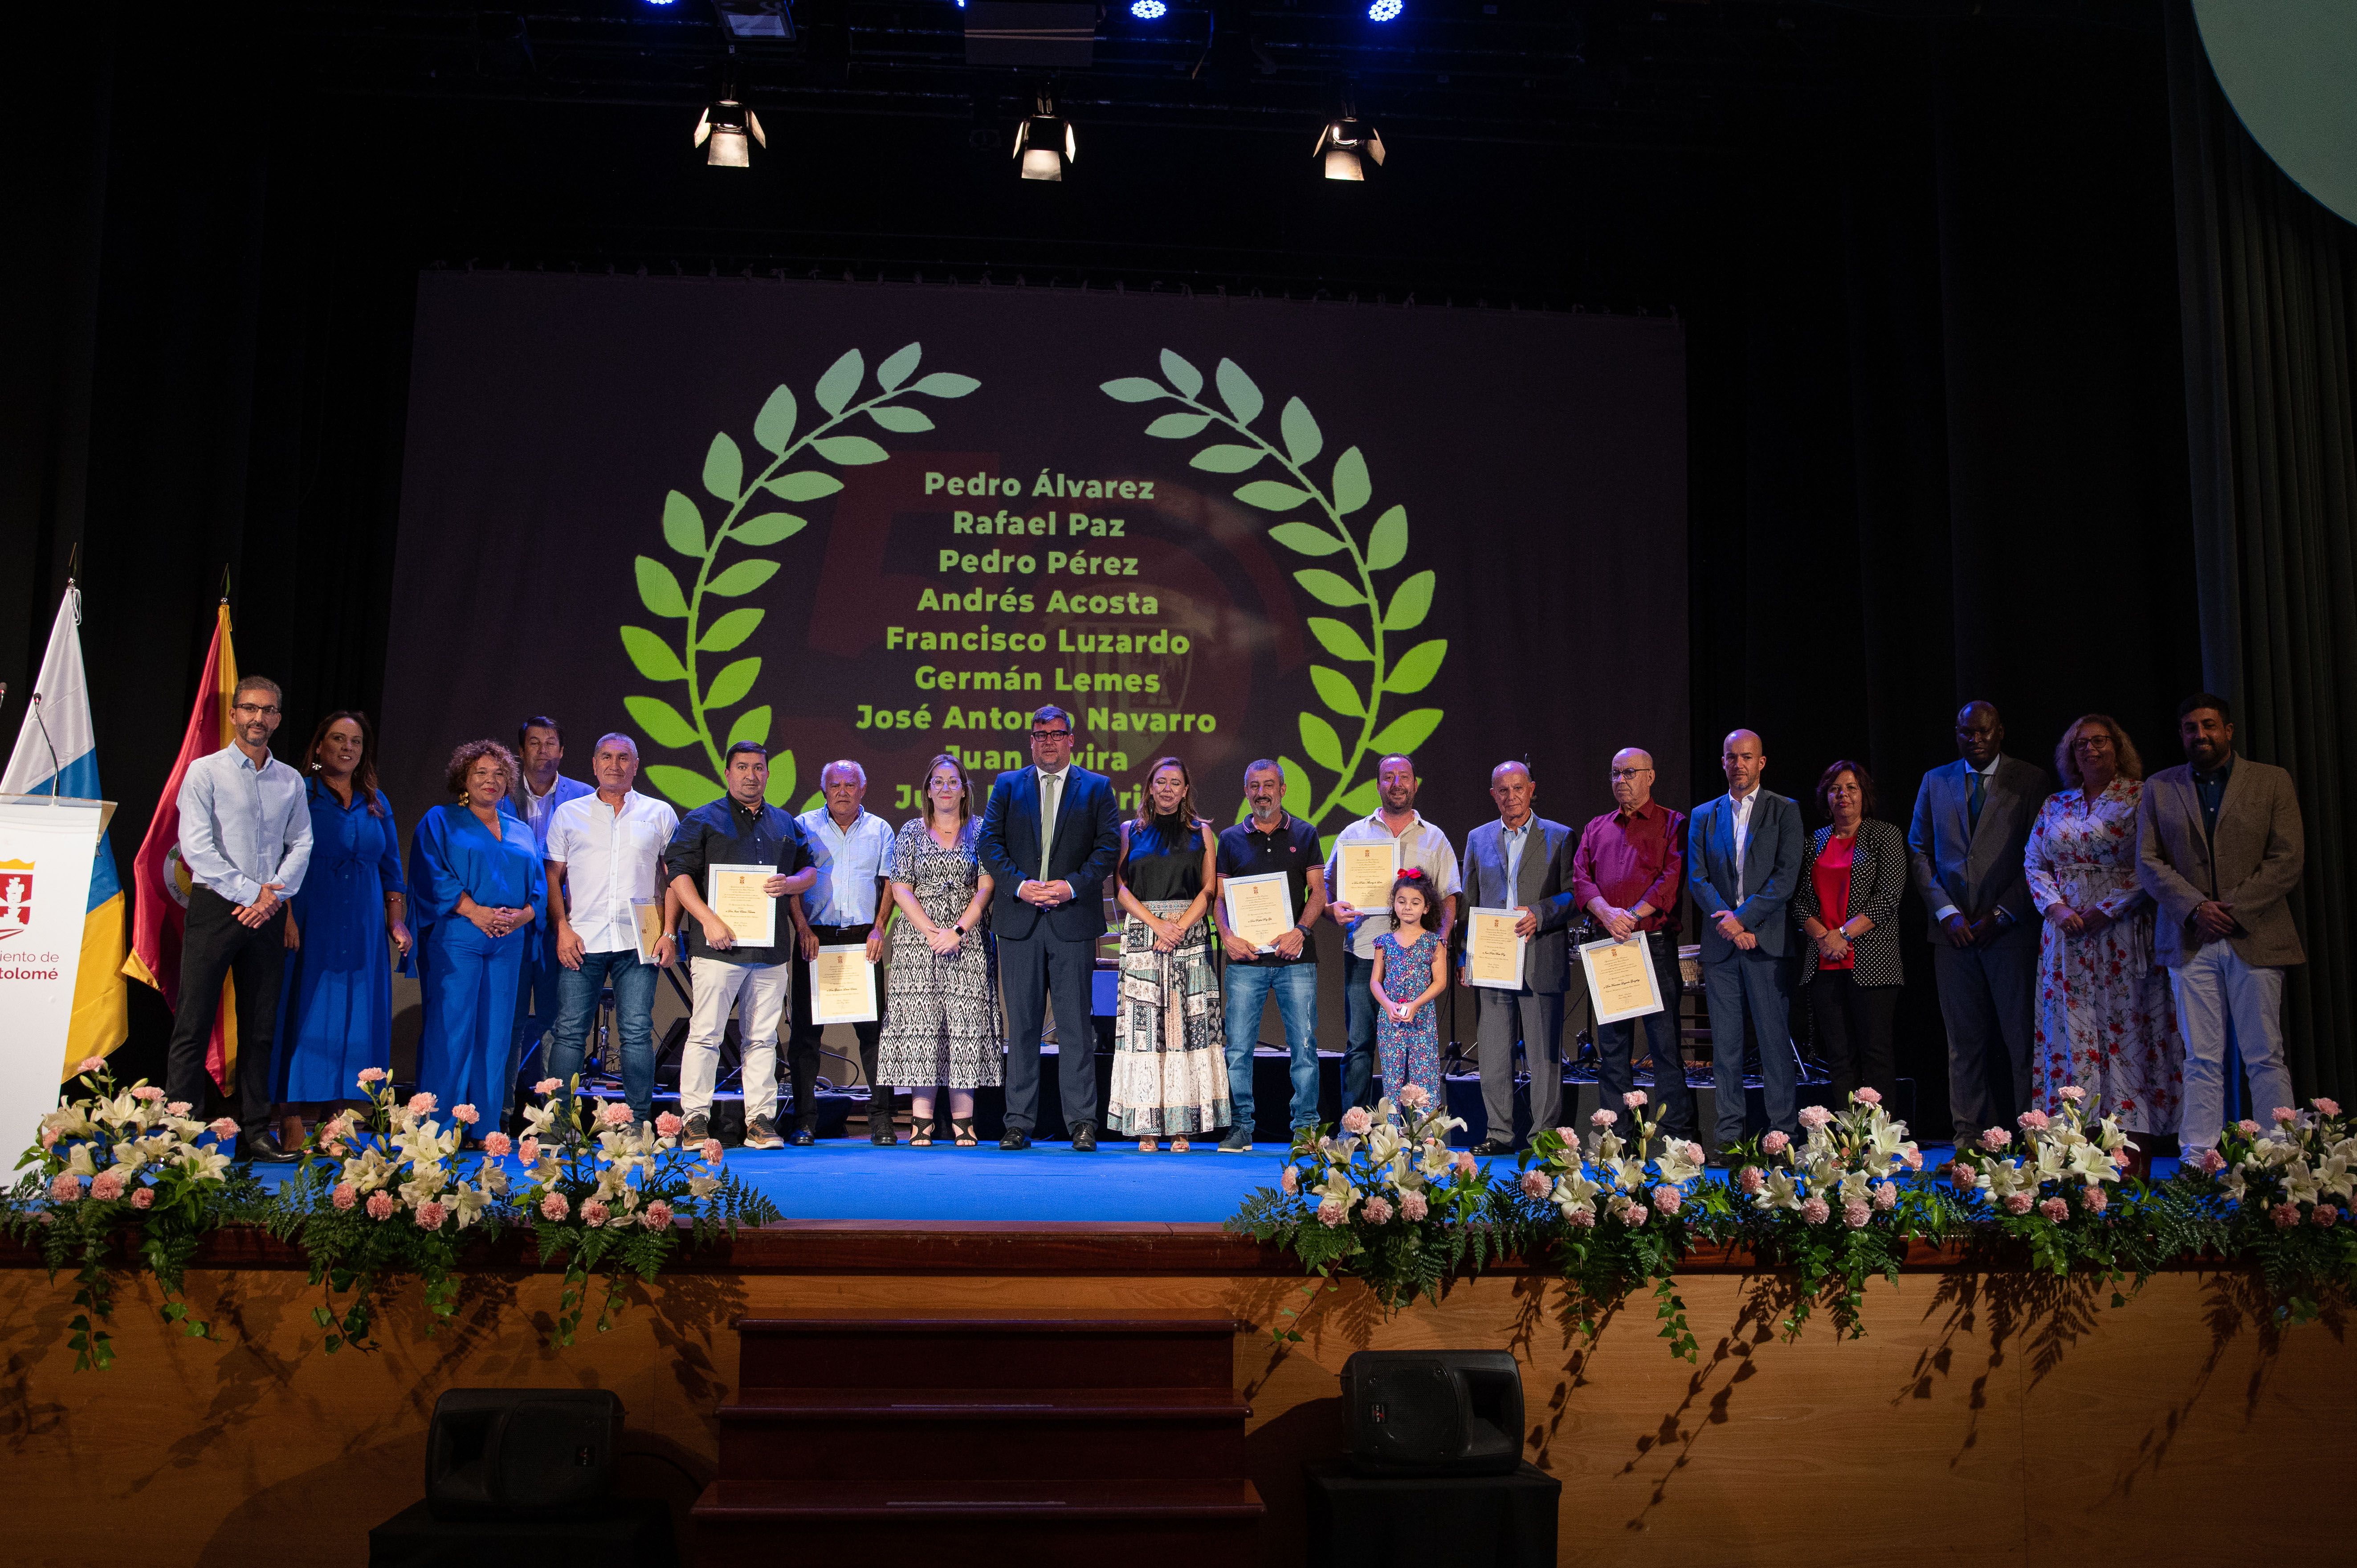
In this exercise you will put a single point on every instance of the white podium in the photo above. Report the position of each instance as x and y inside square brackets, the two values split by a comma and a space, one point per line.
[46, 845]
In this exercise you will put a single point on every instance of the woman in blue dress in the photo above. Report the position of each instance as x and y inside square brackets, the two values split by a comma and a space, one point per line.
[335, 1009]
[478, 887]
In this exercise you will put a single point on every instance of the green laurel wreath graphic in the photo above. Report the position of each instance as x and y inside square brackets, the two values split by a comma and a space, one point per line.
[660, 659]
[1383, 547]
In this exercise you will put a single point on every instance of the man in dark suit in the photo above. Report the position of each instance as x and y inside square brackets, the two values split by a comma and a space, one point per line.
[2220, 848]
[1048, 908]
[1521, 862]
[1743, 865]
[1971, 823]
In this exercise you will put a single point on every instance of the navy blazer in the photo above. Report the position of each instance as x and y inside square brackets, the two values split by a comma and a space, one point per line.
[1771, 866]
[1087, 842]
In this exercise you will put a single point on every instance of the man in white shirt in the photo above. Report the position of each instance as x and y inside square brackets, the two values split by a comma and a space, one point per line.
[605, 877]
[245, 839]
[535, 796]
[1422, 846]
[852, 848]
[1743, 865]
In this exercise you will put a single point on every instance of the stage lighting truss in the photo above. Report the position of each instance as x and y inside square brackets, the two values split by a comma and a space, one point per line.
[1044, 143]
[1384, 10]
[723, 130]
[1345, 145]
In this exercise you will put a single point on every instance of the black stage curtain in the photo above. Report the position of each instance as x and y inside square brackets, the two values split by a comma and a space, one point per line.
[2270, 312]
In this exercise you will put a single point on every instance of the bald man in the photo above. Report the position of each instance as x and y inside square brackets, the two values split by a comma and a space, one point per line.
[1521, 862]
[1743, 863]
[1628, 872]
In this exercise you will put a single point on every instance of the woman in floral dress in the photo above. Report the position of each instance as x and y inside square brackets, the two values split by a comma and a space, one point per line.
[2105, 1018]
[941, 1017]
[1407, 980]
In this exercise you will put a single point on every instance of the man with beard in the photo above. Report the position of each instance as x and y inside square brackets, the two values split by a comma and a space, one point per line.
[2220, 848]
[1421, 846]
[1270, 843]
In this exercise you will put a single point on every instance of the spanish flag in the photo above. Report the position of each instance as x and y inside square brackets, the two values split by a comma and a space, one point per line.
[59, 755]
[160, 913]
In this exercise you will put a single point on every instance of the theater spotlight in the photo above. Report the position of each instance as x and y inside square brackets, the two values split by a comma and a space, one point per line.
[1044, 142]
[1148, 10]
[1384, 10]
[1345, 144]
[722, 131]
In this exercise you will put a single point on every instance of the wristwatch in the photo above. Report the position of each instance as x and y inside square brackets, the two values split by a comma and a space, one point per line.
[958, 928]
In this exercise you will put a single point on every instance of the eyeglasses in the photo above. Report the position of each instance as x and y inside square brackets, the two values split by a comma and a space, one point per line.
[250, 708]
[1050, 733]
[1630, 772]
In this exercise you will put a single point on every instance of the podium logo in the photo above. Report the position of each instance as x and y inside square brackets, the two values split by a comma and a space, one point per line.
[16, 897]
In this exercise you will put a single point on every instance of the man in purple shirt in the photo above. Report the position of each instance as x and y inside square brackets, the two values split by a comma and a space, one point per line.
[1630, 872]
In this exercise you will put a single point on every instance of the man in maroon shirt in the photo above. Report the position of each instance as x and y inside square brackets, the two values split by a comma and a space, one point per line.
[1630, 872]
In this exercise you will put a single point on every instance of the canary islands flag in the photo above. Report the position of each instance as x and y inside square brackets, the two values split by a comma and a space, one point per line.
[58, 753]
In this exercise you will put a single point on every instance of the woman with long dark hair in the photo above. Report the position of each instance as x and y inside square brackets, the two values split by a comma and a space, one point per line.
[1169, 1042]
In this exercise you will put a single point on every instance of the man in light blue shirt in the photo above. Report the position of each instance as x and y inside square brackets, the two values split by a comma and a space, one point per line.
[245, 841]
[852, 848]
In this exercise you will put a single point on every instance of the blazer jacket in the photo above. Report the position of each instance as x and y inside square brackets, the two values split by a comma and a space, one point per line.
[1877, 876]
[1976, 868]
[1771, 871]
[1086, 842]
[2251, 864]
[1544, 885]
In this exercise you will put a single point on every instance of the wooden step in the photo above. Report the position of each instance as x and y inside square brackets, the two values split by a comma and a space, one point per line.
[968, 1434]
[1059, 1523]
[872, 1353]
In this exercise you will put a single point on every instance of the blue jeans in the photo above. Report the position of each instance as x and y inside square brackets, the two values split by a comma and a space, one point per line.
[634, 1014]
[1359, 1018]
[1248, 989]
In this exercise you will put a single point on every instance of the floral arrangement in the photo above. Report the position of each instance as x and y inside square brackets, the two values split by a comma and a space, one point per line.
[1384, 1200]
[608, 1191]
[2290, 1186]
[119, 1168]
[388, 1198]
[1614, 1216]
[2051, 1187]
[1830, 1207]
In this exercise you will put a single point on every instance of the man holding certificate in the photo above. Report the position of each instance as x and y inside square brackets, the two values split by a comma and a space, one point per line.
[730, 863]
[1518, 903]
[1369, 854]
[851, 848]
[1272, 890]
[1630, 872]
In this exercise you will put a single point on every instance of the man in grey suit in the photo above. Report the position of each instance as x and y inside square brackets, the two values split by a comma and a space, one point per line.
[2220, 847]
[1743, 865]
[1971, 823]
[1521, 862]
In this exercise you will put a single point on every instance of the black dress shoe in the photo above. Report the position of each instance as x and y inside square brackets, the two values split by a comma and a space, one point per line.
[1015, 1138]
[803, 1138]
[1084, 1138]
[1491, 1146]
[265, 1148]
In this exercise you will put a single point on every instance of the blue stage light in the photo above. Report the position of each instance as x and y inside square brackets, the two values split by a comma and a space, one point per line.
[1384, 10]
[1148, 10]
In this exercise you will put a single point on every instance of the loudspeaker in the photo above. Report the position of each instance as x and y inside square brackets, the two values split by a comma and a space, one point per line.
[1433, 1412]
[520, 1453]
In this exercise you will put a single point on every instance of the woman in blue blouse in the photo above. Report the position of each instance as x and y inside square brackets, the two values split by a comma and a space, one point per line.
[477, 885]
[335, 1011]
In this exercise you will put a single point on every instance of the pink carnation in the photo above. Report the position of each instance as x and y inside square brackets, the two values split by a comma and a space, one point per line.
[2285, 1214]
[1414, 1206]
[1692, 1150]
[1535, 1183]
[148, 1092]
[1570, 1136]
[1668, 1199]
[1355, 1120]
[1605, 1118]
[1751, 1180]
[1414, 1097]
[668, 1125]
[49, 1137]
[2247, 1128]
[1464, 1162]
[2210, 1162]
[223, 1126]
[2326, 1214]
[421, 1102]
[430, 1215]
[1815, 1211]
[528, 1150]
[1995, 1138]
[345, 1196]
[2054, 1209]
[1583, 1217]
[1378, 1211]
[2326, 1107]
[466, 1113]
[107, 1186]
[1775, 1142]
[142, 1197]
[2018, 1202]
[2073, 1093]
[175, 1107]
[2094, 1199]
[614, 1114]
[1814, 1116]
[1635, 1215]
[371, 1075]
[65, 1187]
[1912, 1158]
[553, 1207]
[1886, 1196]
[2119, 1159]
[1962, 1174]
[1290, 1182]
[2285, 1115]
[713, 1152]
[91, 1064]
[1856, 1214]
[1633, 1099]
[379, 1206]
[2035, 1120]
[1331, 1212]
[595, 1213]
[1867, 1096]
[657, 1215]
[496, 1146]
[548, 1085]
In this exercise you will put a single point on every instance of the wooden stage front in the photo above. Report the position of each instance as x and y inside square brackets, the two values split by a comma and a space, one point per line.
[2016, 1420]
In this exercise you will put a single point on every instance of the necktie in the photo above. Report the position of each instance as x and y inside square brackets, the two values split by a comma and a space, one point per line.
[1972, 805]
[1051, 790]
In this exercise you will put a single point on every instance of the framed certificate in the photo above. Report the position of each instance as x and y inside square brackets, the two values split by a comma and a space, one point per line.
[1366, 873]
[733, 893]
[1621, 980]
[1259, 907]
[646, 921]
[843, 985]
[1493, 953]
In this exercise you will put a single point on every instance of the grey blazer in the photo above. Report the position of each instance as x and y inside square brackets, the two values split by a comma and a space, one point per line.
[1544, 886]
[1978, 869]
[1878, 876]
[1771, 871]
[2252, 864]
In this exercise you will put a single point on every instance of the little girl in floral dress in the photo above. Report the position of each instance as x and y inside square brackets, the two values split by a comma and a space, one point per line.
[1409, 977]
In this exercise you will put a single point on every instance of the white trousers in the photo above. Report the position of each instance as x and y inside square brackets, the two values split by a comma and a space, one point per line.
[2213, 988]
[758, 991]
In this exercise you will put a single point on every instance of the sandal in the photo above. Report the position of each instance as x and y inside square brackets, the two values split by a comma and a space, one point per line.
[922, 1137]
[963, 1132]
[1179, 1145]
[1148, 1146]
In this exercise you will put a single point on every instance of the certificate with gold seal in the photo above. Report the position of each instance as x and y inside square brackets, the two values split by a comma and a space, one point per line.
[843, 985]
[735, 894]
[1493, 953]
[1621, 980]
[1260, 909]
[1364, 875]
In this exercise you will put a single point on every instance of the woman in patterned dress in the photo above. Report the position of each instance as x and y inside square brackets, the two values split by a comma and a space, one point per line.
[2105, 1018]
[1407, 981]
[1169, 1042]
[940, 1019]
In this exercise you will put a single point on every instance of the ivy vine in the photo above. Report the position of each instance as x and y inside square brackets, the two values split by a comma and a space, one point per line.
[741, 528]
[1356, 699]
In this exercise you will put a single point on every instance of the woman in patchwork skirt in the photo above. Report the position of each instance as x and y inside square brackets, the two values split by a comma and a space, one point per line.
[1169, 1045]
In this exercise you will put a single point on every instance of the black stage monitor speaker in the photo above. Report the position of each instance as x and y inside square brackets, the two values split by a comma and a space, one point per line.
[1433, 1412]
[520, 1453]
